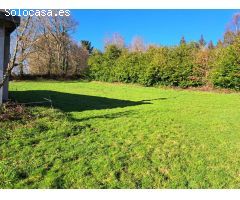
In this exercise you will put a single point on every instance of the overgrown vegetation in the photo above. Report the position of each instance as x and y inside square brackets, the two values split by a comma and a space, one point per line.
[11, 111]
[102, 135]
[185, 65]
[189, 64]
[226, 72]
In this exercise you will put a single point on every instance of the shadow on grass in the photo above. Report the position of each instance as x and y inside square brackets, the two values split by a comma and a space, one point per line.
[104, 116]
[68, 102]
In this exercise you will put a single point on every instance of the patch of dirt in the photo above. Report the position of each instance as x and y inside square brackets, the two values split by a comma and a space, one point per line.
[12, 111]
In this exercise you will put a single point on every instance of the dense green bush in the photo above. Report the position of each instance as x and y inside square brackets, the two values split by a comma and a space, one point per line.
[186, 65]
[181, 66]
[102, 63]
[226, 72]
[131, 67]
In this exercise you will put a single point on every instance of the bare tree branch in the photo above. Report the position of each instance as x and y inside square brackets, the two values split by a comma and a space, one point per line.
[12, 62]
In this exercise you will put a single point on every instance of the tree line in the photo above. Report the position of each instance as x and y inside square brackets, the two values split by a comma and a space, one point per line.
[48, 48]
[189, 64]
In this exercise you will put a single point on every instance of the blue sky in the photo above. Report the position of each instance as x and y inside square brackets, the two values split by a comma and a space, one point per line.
[164, 27]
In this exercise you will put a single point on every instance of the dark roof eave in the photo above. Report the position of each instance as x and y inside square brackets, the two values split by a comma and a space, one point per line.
[11, 22]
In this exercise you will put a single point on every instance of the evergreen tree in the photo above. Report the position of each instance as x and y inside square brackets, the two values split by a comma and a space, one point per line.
[87, 45]
[183, 41]
[202, 41]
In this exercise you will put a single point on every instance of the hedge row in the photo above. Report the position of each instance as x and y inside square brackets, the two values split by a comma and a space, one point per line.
[186, 65]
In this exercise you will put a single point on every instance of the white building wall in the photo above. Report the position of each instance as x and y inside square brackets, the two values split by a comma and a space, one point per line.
[6, 61]
[2, 41]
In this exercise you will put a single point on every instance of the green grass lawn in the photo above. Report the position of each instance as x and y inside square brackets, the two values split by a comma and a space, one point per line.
[101, 135]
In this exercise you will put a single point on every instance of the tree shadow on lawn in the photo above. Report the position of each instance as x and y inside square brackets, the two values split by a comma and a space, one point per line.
[68, 102]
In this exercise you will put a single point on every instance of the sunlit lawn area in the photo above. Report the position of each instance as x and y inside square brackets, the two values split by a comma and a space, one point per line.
[102, 135]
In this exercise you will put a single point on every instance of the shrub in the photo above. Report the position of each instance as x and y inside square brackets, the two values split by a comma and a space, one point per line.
[102, 63]
[226, 72]
[157, 70]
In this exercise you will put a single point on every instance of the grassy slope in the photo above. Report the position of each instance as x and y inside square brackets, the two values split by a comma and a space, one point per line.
[121, 136]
